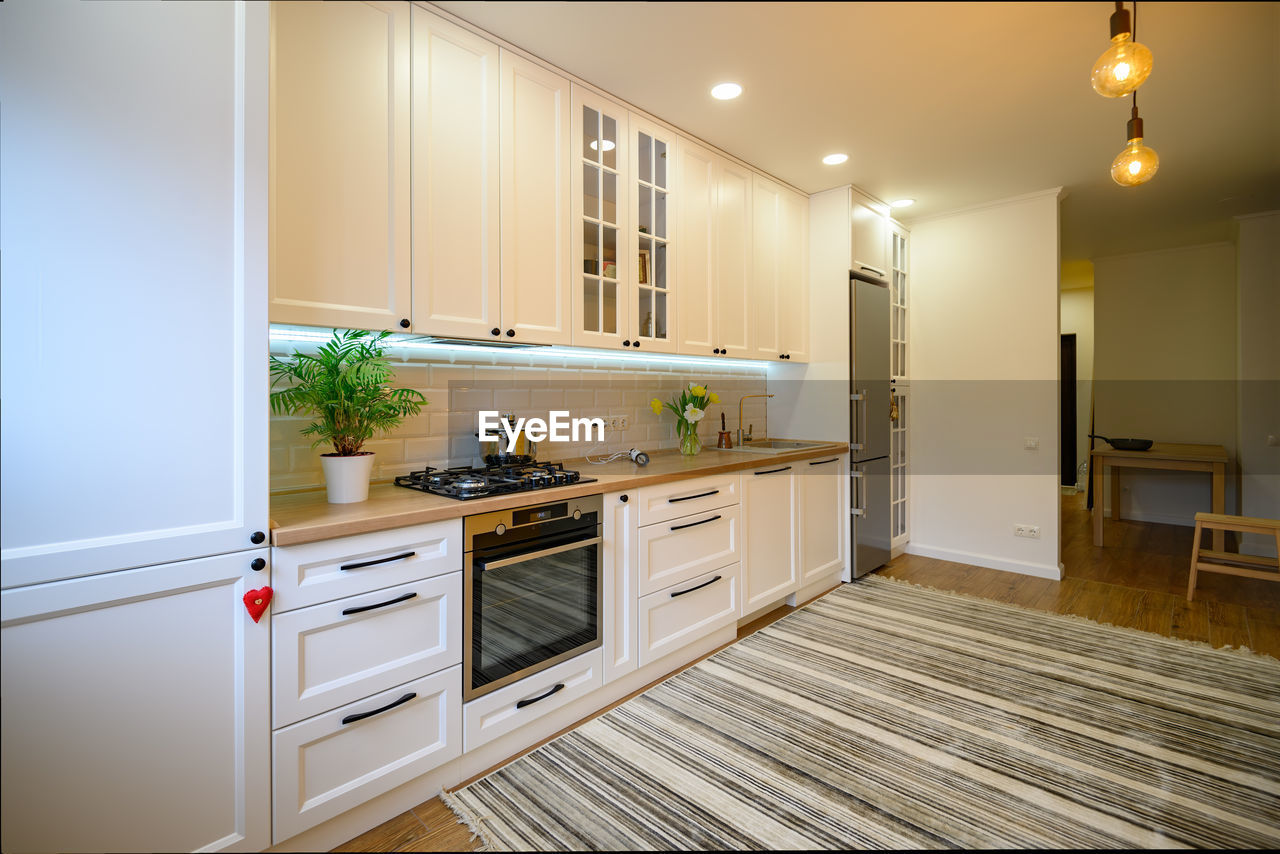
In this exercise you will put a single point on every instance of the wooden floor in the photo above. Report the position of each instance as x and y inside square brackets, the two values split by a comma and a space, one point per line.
[1139, 580]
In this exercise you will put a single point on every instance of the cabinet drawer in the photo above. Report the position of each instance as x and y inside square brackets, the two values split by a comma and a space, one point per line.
[496, 714]
[324, 767]
[682, 498]
[335, 653]
[331, 569]
[671, 619]
[677, 550]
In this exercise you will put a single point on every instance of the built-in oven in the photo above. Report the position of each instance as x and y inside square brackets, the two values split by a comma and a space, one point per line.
[531, 590]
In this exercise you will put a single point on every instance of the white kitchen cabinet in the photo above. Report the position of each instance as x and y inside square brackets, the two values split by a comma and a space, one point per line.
[456, 271]
[678, 616]
[134, 269]
[311, 573]
[339, 652]
[136, 710]
[869, 228]
[520, 703]
[675, 551]
[650, 256]
[621, 579]
[330, 763]
[821, 513]
[535, 145]
[779, 280]
[769, 567]
[733, 260]
[340, 161]
[602, 219]
[714, 260]
[664, 501]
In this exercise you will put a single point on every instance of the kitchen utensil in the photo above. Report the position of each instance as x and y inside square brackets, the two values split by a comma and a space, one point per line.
[725, 440]
[1125, 444]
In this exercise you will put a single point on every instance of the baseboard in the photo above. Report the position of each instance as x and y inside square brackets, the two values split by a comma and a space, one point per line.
[1050, 571]
[1159, 518]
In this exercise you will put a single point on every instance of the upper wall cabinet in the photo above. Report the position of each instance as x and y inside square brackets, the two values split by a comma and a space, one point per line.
[456, 274]
[714, 261]
[653, 172]
[869, 226]
[339, 164]
[536, 156]
[602, 221]
[779, 280]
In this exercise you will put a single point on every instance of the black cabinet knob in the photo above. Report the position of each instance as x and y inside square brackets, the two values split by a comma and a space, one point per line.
[404, 323]
[624, 498]
[716, 351]
[258, 564]
[496, 331]
[636, 344]
[257, 537]
[511, 333]
[626, 343]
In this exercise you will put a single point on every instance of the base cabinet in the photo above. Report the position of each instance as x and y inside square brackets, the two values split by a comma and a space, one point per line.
[621, 578]
[136, 711]
[332, 762]
[768, 536]
[509, 708]
[674, 618]
[821, 505]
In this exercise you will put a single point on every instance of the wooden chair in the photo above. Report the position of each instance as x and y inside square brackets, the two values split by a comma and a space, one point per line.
[1208, 560]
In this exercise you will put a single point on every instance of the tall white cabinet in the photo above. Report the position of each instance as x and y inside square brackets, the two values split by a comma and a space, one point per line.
[779, 276]
[133, 253]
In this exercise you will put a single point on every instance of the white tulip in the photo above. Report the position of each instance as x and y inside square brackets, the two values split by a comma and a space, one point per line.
[693, 414]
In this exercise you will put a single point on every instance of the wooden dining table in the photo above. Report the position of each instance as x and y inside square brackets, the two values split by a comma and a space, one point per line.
[1174, 457]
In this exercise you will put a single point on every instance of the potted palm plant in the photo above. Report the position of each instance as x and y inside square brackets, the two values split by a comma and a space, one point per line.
[344, 386]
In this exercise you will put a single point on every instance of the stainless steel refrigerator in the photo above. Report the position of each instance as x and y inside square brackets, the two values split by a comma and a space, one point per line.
[869, 401]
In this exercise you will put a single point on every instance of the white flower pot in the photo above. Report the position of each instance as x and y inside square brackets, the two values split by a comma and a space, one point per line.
[347, 478]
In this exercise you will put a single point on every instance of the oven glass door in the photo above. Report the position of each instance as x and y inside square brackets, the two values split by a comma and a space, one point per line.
[532, 608]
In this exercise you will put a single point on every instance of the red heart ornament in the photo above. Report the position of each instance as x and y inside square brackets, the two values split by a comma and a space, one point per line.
[256, 602]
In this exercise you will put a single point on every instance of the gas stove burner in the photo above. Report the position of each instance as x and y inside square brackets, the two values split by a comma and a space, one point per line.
[511, 476]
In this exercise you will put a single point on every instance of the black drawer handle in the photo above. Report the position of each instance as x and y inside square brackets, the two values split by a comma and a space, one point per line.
[691, 497]
[405, 598]
[350, 719]
[700, 522]
[376, 562]
[523, 703]
[824, 462]
[699, 587]
[772, 471]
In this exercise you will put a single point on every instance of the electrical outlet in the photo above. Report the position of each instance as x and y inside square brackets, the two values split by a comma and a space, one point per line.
[1031, 532]
[616, 422]
[623, 422]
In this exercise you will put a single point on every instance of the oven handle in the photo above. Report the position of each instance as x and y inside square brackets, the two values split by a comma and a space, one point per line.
[487, 565]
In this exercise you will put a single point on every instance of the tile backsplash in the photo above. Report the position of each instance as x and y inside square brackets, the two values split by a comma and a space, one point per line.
[459, 384]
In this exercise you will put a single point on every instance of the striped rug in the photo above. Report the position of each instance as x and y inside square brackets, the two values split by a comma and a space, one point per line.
[892, 716]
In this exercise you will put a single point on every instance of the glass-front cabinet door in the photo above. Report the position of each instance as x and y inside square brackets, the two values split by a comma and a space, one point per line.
[652, 170]
[600, 301]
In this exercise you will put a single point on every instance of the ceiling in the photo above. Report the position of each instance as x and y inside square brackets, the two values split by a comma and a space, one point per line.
[953, 104]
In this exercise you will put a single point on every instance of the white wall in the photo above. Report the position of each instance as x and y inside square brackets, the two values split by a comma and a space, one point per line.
[984, 339]
[1258, 369]
[1076, 311]
[1165, 368]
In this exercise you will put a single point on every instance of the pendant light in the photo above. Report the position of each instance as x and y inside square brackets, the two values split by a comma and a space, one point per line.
[1137, 163]
[1126, 64]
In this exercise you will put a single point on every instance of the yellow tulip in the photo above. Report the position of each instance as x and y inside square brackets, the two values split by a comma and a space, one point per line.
[656, 406]
[715, 398]
[698, 391]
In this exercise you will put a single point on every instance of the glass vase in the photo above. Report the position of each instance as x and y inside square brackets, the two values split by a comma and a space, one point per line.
[690, 444]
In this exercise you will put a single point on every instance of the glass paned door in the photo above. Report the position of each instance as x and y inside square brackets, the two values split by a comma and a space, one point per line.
[601, 273]
[653, 172]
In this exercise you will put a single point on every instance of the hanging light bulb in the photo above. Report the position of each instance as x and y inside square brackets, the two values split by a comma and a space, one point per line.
[1126, 64]
[1137, 163]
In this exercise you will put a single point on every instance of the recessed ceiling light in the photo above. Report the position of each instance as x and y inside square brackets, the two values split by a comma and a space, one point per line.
[726, 91]
[835, 159]
[902, 203]
[608, 145]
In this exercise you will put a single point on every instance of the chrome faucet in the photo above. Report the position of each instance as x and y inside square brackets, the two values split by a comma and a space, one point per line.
[746, 437]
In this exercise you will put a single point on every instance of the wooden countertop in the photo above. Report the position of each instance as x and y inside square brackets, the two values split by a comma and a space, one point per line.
[307, 517]
[1170, 451]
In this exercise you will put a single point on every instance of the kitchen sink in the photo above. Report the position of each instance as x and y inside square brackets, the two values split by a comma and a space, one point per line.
[775, 446]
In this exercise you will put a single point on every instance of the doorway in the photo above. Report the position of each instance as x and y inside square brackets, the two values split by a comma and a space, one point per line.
[1067, 407]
